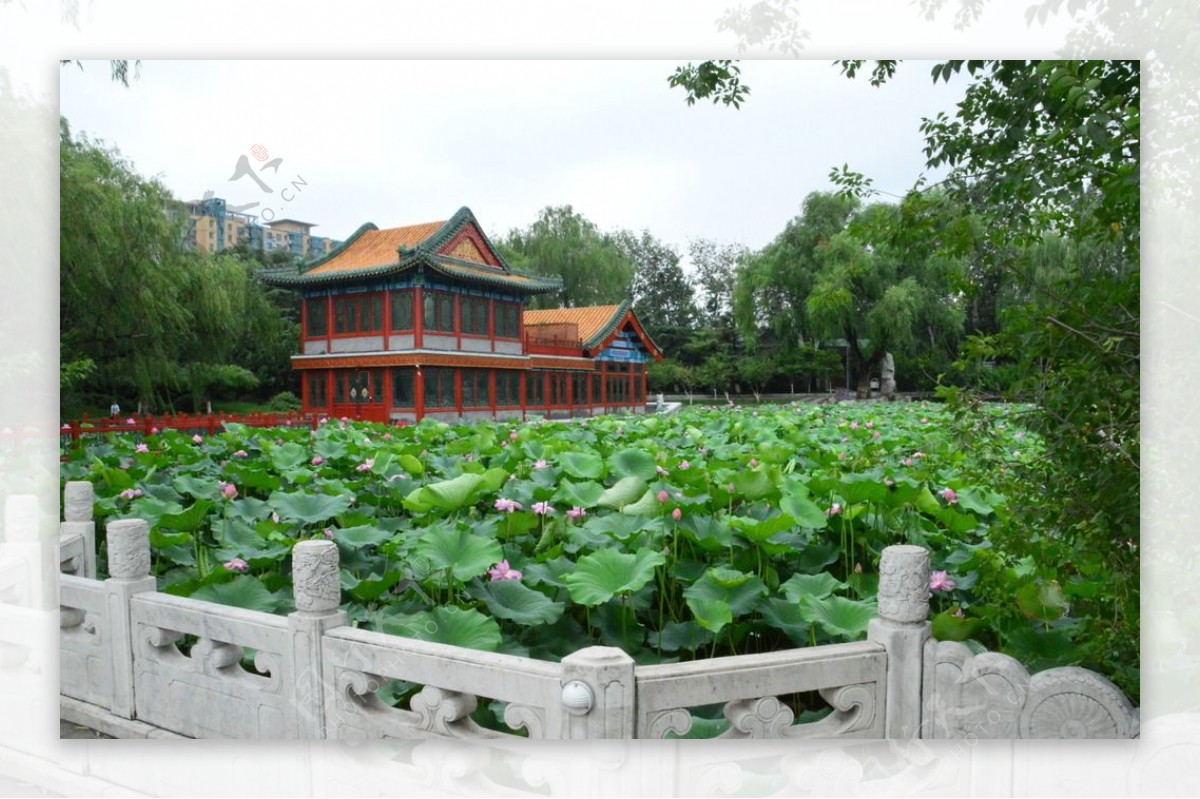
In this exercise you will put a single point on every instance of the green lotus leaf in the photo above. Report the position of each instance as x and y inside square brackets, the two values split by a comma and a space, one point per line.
[307, 508]
[624, 491]
[288, 456]
[806, 512]
[814, 585]
[449, 625]
[244, 591]
[186, 521]
[600, 576]
[581, 495]
[633, 463]
[838, 616]
[514, 601]
[584, 465]
[738, 591]
[465, 554]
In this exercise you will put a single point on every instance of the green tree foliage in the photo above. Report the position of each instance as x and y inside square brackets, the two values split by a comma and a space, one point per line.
[663, 297]
[716, 267]
[565, 244]
[141, 320]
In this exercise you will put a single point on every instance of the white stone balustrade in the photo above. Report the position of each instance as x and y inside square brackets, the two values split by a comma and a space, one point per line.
[185, 666]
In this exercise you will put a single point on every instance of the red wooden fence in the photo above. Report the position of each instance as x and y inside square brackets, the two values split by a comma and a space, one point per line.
[147, 425]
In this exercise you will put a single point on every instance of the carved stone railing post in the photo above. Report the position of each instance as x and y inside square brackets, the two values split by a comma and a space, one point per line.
[316, 586]
[903, 628]
[79, 499]
[26, 573]
[598, 694]
[128, 574]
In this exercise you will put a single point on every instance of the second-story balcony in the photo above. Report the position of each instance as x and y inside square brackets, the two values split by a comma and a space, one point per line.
[553, 339]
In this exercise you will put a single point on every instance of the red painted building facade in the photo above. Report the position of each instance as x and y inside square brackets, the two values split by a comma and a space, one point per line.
[429, 321]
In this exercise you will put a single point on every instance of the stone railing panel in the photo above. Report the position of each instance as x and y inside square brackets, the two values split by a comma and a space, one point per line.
[850, 677]
[991, 695]
[209, 693]
[86, 643]
[358, 663]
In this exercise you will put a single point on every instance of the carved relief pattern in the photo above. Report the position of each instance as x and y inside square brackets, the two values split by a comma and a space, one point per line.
[527, 717]
[992, 696]
[128, 549]
[315, 578]
[78, 498]
[904, 584]
[676, 720]
[758, 718]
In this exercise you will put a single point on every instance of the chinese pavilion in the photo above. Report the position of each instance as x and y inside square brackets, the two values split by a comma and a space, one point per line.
[428, 321]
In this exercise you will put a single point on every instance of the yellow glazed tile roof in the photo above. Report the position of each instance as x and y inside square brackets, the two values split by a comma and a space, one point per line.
[590, 320]
[377, 247]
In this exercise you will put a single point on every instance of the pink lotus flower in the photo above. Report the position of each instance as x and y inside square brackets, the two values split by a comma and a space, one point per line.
[328, 532]
[684, 466]
[197, 439]
[65, 427]
[387, 436]
[949, 495]
[507, 505]
[154, 430]
[854, 425]
[939, 582]
[889, 482]
[502, 571]
[317, 460]
[906, 462]
[365, 466]
[677, 514]
[131, 420]
[241, 453]
[141, 448]
[576, 513]
[540, 464]
[131, 493]
[237, 565]
[917, 455]
[661, 471]
[275, 517]
[834, 509]
[542, 508]
[876, 435]
[959, 612]
[663, 496]
[512, 436]
[229, 490]
[870, 425]
[754, 463]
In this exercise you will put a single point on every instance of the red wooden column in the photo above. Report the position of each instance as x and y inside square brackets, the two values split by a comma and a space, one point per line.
[491, 324]
[520, 390]
[329, 324]
[387, 323]
[418, 323]
[419, 390]
[604, 383]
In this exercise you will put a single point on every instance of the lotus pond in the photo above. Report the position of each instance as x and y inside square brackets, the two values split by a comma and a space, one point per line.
[709, 532]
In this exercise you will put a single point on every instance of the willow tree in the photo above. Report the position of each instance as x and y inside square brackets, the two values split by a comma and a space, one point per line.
[880, 296]
[563, 243]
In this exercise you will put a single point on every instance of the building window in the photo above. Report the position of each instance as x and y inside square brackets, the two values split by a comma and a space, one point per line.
[439, 388]
[340, 387]
[439, 312]
[476, 391]
[318, 395]
[402, 310]
[558, 388]
[316, 315]
[363, 314]
[404, 390]
[534, 389]
[579, 391]
[618, 383]
[508, 389]
[474, 315]
[508, 315]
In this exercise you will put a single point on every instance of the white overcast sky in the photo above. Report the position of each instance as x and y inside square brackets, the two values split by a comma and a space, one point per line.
[401, 142]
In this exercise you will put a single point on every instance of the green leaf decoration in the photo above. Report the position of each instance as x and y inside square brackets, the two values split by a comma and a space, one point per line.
[579, 495]
[449, 625]
[752, 485]
[370, 588]
[687, 636]
[600, 576]
[288, 456]
[412, 465]
[863, 488]
[623, 492]
[307, 508]
[837, 616]
[238, 539]
[454, 494]
[817, 556]
[926, 502]
[710, 532]
[711, 614]
[466, 555]
[244, 591]
[760, 531]
[818, 586]
[196, 487]
[806, 512]
[1042, 601]
[584, 465]
[514, 601]
[739, 591]
[633, 463]
[784, 615]
[648, 505]
[973, 501]
[614, 526]
[186, 521]
[949, 627]
[360, 536]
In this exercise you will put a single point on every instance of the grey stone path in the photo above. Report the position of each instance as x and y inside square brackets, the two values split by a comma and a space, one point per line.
[68, 729]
